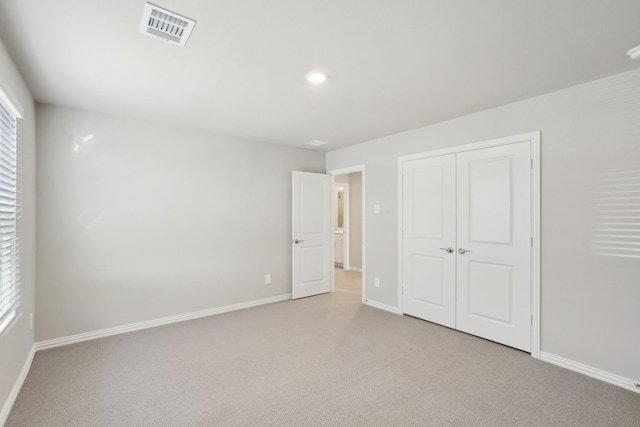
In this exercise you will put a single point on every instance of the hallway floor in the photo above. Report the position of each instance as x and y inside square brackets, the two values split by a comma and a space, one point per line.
[348, 281]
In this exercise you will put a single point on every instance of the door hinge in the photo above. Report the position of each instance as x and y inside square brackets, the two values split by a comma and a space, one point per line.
[532, 242]
[531, 320]
[531, 163]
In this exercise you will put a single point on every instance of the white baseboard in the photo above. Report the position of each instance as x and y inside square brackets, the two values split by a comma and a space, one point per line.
[590, 371]
[57, 342]
[16, 387]
[358, 269]
[381, 306]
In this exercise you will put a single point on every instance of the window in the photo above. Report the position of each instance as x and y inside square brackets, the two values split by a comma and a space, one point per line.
[9, 212]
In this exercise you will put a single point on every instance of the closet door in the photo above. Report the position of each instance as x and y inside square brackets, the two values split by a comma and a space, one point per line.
[429, 257]
[494, 244]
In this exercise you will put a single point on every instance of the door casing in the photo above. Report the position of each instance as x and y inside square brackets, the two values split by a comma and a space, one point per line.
[534, 139]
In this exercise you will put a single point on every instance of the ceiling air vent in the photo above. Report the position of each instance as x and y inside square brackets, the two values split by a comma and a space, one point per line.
[166, 25]
[315, 143]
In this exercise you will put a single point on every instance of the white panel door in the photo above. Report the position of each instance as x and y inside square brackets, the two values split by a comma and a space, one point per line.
[494, 244]
[311, 234]
[429, 227]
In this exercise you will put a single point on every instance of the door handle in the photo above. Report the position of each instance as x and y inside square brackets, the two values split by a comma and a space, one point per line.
[463, 251]
[450, 250]
[297, 241]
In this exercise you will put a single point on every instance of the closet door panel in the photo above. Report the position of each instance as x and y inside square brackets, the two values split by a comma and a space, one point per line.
[429, 230]
[494, 244]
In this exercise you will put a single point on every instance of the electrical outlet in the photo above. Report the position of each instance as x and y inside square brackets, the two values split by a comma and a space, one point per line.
[267, 279]
[376, 209]
[376, 282]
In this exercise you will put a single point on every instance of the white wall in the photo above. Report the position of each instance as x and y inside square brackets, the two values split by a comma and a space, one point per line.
[138, 221]
[16, 342]
[589, 303]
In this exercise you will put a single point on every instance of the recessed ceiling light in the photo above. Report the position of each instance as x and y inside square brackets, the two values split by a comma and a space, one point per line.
[316, 77]
[634, 53]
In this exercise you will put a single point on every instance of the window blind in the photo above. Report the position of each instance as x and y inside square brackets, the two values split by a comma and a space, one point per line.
[10, 203]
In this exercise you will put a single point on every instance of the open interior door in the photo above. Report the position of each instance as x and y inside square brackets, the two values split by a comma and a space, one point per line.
[311, 234]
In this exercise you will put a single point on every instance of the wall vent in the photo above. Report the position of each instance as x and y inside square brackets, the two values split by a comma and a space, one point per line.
[166, 25]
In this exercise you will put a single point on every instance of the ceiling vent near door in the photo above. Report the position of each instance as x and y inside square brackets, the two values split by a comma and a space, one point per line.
[166, 25]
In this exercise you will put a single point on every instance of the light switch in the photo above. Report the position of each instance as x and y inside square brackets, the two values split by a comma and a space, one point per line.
[376, 208]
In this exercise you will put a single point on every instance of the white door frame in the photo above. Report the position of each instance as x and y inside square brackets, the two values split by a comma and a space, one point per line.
[346, 224]
[345, 171]
[534, 139]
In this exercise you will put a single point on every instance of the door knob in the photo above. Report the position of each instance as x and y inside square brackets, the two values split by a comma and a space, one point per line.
[450, 250]
[298, 241]
[463, 251]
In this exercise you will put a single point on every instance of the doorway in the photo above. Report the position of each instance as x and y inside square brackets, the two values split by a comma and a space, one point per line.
[348, 230]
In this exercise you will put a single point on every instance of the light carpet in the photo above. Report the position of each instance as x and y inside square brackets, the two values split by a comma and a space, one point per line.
[321, 361]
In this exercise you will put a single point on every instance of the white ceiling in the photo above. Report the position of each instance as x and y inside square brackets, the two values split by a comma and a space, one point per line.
[394, 64]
